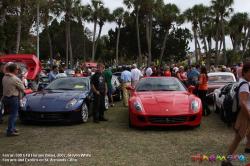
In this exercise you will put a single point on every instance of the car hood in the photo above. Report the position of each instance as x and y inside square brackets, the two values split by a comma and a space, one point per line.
[170, 103]
[52, 101]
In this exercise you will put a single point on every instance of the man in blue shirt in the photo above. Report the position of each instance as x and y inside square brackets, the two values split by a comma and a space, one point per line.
[53, 73]
[193, 76]
[126, 81]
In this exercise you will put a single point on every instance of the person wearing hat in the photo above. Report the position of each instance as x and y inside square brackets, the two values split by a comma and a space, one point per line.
[135, 75]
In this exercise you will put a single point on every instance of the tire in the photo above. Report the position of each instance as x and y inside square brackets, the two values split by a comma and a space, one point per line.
[84, 113]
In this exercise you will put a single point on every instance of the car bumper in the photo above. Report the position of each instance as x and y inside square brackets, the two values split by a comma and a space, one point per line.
[32, 116]
[139, 120]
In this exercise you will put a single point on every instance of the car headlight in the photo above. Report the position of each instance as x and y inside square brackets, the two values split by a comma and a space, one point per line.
[195, 106]
[137, 106]
[23, 102]
[71, 103]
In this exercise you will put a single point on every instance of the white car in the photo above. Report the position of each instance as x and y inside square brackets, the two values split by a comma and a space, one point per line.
[216, 81]
[220, 94]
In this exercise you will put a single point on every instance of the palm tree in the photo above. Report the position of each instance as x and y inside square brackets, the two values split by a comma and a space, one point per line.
[191, 15]
[167, 15]
[136, 4]
[81, 13]
[46, 18]
[66, 7]
[118, 15]
[223, 9]
[103, 16]
[94, 8]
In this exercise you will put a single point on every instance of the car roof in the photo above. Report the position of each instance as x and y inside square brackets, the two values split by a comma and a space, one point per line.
[220, 73]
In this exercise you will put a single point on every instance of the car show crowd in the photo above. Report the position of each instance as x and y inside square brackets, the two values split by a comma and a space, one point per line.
[105, 81]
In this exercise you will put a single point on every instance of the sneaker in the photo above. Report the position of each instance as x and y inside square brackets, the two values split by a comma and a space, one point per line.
[16, 130]
[12, 134]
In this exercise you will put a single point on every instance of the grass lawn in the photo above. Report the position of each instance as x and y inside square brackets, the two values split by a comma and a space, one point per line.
[113, 143]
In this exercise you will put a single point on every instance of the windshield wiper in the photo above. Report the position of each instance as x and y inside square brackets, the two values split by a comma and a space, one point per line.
[64, 89]
[142, 90]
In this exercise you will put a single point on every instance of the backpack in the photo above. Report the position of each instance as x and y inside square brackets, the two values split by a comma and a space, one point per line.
[231, 105]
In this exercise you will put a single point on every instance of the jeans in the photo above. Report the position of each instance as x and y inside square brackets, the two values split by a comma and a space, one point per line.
[12, 105]
[99, 107]
[202, 95]
[1, 106]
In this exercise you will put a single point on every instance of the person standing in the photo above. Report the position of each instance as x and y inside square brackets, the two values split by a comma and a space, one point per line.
[182, 75]
[53, 73]
[99, 88]
[1, 90]
[126, 82]
[149, 70]
[167, 72]
[202, 90]
[13, 88]
[242, 124]
[193, 76]
[108, 78]
[61, 74]
[135, 75]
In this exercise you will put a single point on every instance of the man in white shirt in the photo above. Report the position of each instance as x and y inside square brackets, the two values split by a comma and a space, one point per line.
[149, 71]
[135, 75]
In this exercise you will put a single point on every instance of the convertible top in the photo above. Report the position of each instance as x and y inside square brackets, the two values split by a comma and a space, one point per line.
[32, 63]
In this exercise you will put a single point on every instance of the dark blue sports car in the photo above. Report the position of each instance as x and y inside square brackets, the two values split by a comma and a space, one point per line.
[63, 100]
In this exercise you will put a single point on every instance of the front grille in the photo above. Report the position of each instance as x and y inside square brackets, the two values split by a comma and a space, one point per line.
[47, 116]
[168, 120]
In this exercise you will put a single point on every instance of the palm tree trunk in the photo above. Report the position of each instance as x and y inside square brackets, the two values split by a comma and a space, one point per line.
[217, 41]
[203, 38]
[164, 45]
[224, 41]
[208, 57]
[93, 41]
[50, 45]
[67, 45]
[70, 49]
[247, 40]
[19, 30]
[195, 45]
[149, 37]
[98, 38]
[117, 44]
[138, 37]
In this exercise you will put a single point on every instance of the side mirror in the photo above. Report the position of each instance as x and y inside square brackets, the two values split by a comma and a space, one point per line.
[191, 89]
[130, 88]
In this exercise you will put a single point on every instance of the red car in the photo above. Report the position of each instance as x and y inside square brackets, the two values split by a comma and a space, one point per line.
[163, 101]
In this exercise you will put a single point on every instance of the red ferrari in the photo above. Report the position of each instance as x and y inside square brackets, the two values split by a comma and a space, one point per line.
[163, 101]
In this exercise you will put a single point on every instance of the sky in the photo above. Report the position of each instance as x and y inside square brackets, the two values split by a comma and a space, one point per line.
[239, 6]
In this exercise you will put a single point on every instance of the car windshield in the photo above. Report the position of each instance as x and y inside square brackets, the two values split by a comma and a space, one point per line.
[159, 84]
[75, 83]
[220, 79]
